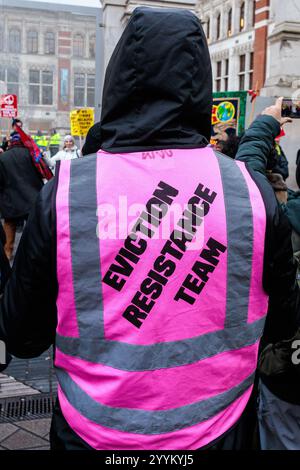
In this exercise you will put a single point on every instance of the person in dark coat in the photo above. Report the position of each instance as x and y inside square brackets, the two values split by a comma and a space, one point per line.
[229, 146]
[19, 186]
[143, 110]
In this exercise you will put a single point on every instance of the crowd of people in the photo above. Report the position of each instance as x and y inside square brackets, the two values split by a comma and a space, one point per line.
[20, 182]
[208, 357]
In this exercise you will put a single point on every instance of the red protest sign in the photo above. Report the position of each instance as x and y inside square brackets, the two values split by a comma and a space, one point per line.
[8, 106]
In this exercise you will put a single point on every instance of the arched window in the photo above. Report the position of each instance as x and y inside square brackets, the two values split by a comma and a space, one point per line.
[92, 47]
[229, 23]
[242, 16]
[218, 25]
[78, 46]
[14, 40]
[49, 44]
[32, 42]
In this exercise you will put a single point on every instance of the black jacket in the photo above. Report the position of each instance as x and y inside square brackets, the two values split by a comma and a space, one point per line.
[157, 94]
[93, 140]
[19, 183]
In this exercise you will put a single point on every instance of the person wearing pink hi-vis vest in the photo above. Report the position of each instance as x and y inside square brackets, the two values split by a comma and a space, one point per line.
[154, 257]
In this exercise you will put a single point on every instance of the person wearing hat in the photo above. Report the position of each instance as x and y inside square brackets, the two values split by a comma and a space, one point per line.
[69, 152]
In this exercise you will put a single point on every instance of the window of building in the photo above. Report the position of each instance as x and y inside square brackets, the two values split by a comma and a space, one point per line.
[40, 87]
[229, 23]
[90, 98]
[251, 71]
[218, 25]
[242, 16]
[84, 90]
[47, 88]
[253, 12]
[79, 89]
[10, 76]
[92, 47]
[242, 73]
[49, 44]
[14, 40]
[78, 45]
[218, 80]
[226, 76]
[32, 42]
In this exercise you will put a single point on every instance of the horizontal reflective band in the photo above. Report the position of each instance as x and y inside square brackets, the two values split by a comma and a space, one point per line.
[148, 422]
[133, 357]
[239, 222]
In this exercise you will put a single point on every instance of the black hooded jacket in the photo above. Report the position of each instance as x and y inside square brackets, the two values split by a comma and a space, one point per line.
[157, 94]
[158, 84]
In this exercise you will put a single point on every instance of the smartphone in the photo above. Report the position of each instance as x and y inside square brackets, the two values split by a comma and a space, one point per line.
[291, 108]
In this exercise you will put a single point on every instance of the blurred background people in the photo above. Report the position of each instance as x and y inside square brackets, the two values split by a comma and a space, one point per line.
[54, 142]
[19, 186]
[229, 146]
[69, 152]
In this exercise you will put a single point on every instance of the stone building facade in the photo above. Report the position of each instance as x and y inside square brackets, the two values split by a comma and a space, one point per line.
[47, 58]
[253, 43]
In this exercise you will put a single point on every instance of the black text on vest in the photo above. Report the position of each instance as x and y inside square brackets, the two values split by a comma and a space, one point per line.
[135, 244]
[201, 271]
[172, 252]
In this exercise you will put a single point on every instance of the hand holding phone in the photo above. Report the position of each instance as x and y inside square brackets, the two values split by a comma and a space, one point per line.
[291, 108]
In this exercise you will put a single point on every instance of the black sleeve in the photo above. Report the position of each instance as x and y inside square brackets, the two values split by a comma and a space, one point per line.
[279, 278]
[279, 267]
[28, 314]
[257, 142]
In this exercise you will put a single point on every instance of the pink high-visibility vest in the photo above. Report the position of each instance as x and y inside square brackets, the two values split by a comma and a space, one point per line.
[160, 305]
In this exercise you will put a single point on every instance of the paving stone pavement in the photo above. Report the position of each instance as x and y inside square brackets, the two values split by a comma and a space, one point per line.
[21, 378]
[25, 435]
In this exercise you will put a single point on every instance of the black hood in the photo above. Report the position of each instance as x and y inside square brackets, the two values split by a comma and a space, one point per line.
[158, 84]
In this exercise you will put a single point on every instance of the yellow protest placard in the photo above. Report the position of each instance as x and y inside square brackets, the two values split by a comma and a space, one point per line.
[75, 130]
[81, 121]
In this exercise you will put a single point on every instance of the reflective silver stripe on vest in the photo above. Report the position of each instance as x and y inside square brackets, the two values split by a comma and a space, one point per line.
[239, 220]
[85, 248]
[133, 357]
[148, 422]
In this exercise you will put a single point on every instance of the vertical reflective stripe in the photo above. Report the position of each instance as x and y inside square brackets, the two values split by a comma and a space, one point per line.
[67, 323]
[239, 220]
[85, 248]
